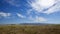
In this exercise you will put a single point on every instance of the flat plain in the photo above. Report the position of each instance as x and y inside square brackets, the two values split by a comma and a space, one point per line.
[30, 29]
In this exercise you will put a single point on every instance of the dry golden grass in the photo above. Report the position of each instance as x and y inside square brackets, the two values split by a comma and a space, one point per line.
[28, 29]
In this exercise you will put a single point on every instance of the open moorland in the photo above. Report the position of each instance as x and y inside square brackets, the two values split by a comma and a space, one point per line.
[30, 29]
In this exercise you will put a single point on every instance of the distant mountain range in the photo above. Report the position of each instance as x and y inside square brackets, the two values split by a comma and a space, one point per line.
[27, 24]
[33, 24]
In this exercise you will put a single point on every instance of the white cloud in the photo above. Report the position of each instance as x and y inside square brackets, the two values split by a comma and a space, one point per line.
[46, 3]
[21, 16]
[13, 2]
[49, 7]
[40, 19]
[53, 9]
[3, 14]
[29, 11]
[37, 19]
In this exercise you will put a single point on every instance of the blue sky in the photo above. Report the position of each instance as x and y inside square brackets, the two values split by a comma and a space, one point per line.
[29, 11]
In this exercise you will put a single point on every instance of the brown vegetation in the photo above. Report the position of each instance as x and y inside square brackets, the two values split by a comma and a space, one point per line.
[29, 29]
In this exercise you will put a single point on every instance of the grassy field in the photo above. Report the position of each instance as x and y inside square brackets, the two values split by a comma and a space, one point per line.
[30, 29]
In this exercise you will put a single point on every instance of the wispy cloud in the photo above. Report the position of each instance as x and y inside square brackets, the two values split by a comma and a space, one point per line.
[52, 7]
[38, 19]
[13, 2]
[29, 11]
[3, 14]
[20, 15]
